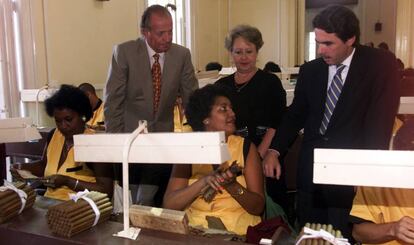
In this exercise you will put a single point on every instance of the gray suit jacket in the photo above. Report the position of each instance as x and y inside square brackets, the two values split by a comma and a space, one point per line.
[129, 89]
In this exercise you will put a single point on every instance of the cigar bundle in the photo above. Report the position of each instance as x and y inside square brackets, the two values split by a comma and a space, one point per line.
[208, 193]
[10, 202]
[159, 219]
[70, 217]
[319, 241]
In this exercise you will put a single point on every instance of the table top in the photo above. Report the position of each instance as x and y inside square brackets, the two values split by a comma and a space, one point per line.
[31, 227]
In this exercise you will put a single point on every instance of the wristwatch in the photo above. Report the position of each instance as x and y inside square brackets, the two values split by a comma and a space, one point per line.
[239, 191]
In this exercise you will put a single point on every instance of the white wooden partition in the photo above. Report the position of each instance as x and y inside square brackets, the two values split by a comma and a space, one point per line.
[186, 148]
[18, 130]
[381, 168]
[182, 148]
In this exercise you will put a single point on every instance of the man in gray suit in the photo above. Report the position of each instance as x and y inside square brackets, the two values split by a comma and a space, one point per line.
[131, 94]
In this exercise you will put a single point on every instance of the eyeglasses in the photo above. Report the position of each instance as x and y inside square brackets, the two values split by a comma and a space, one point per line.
[241, 52]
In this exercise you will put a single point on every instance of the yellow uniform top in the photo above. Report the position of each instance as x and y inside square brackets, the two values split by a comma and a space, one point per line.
[180, 121]
[54, 150]
[98, 116]
[224, 206]
[383, 205]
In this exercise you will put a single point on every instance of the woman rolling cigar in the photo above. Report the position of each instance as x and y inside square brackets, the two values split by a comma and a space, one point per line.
[70, 109]
[238, 201]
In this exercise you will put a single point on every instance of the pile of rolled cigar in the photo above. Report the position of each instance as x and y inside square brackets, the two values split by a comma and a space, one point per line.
[10, 202]
[320, 241]
[70, 217]
[208, 193]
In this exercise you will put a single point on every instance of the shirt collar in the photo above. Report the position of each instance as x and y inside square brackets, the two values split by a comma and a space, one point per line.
[346, 62]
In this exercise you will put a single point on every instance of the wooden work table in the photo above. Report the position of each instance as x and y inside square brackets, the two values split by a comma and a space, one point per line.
[31, 228]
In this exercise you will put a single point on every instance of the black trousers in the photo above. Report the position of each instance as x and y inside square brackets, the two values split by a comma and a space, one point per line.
[326, 204]
[277, 190]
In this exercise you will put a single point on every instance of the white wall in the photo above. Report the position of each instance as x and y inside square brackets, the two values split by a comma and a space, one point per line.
[80, 35]
[368, 13]
[373, 11]
[276, 19]
[74, 40]
[209, 21]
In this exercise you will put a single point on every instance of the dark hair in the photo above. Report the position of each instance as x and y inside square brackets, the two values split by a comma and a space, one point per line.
[212, 66]
[404, 139]
[400, 64]
[87, 87]
[153, 9]
[339, 20]
[271, 67]
[250, 33]
[69, 97]
[383, 45]
[369, 44]
[201, 102]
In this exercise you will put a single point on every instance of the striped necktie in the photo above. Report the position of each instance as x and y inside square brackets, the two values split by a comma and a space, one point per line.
[332, 97]
[156, 82]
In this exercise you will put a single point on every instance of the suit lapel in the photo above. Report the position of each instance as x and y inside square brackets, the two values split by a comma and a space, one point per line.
[353, 80]
[166, 77]
[322, 87]
[145, 76]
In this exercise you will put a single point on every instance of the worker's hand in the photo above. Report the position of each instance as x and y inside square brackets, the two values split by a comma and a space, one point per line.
[55, 181]
[403, 230]
[14, 173]
[271, 165]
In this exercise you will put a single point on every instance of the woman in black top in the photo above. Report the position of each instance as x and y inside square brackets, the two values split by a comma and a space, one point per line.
[258, 97]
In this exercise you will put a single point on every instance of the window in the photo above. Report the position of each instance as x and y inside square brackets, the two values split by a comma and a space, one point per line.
[16, 55]
[10, 60]
[311, 46]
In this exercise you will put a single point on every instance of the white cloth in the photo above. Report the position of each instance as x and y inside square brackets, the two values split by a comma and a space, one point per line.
[23, 196]
[82, 195]
[312, 234]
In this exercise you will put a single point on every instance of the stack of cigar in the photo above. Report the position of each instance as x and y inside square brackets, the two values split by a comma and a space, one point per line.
[69, 218]
[10, 203]
[208, 193]
[320, 241]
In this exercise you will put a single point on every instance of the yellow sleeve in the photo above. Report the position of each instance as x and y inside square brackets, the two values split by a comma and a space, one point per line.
[364, 205]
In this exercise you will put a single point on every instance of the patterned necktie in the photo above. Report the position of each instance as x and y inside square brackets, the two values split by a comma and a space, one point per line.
[156, 81]
[332, 97]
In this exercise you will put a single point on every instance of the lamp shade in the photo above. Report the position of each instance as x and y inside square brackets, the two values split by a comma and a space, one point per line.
[19, 129]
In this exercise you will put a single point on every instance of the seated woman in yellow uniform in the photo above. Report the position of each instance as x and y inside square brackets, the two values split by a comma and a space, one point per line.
[237, 204]
[62, 175]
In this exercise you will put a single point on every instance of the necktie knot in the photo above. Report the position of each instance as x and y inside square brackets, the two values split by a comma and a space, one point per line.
[156, 57]
[339, 69]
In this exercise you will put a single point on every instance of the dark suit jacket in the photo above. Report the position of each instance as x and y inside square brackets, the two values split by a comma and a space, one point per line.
[363, 116]
[129, 89]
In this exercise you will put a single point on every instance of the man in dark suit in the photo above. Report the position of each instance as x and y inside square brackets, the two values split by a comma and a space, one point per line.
[347, 98]
[144, 80]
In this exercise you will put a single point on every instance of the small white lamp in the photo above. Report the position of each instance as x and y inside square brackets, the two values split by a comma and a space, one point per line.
[380, 168]
[180, 148]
